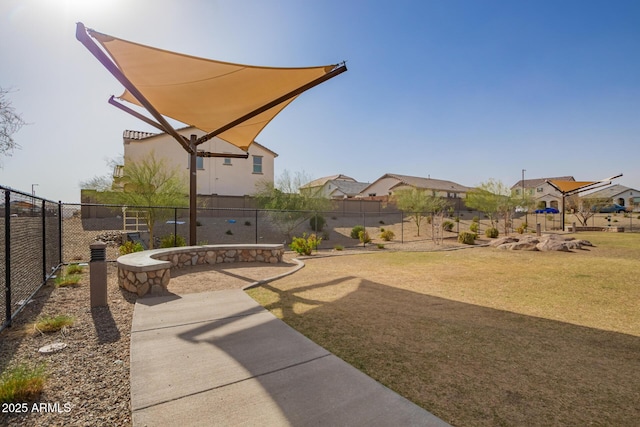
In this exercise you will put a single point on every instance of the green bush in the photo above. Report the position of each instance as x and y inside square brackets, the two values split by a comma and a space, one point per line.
[522, 229]
[355, 231]
[22, 383]
[380, 246]
[364, 237]
[475, 219]
[387, 235]
[338, 247]
[467, 238]
[130, 247]
[474, 227]
[317, 222]
[305, 245]
[171, 241]
[491, 233]
[447, 225]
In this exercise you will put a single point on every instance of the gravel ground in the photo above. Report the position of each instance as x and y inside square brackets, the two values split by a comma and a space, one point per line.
[89, 379]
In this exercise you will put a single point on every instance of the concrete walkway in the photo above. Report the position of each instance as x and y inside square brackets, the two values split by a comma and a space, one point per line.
[219, 358]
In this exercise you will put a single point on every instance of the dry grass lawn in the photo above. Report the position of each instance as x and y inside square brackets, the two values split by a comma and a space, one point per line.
[482, 336]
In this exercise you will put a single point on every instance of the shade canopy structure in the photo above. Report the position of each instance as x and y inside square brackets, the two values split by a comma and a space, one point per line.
[569, 188]
[230, 101]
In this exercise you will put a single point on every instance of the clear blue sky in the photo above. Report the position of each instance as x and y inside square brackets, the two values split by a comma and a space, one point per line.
[457, 90]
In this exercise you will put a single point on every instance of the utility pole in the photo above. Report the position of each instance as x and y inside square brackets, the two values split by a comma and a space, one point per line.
[526, 212]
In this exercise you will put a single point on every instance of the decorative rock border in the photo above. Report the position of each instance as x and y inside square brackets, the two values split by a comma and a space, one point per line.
[150, 271]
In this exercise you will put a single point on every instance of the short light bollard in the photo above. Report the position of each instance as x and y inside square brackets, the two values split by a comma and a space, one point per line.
[98, 274]
[538, 230]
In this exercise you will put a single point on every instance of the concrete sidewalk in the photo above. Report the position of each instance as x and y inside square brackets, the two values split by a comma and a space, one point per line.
[219, 358]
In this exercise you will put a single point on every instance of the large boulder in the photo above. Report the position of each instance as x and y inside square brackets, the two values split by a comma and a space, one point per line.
[548, 242]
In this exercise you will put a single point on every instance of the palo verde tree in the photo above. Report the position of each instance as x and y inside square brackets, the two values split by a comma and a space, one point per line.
[287, 205]
[10, 123]
[495, 200]
[151, 185]
[586, 207]
[417, 203]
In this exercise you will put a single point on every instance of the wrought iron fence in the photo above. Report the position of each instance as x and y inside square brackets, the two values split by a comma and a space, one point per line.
[31, 250]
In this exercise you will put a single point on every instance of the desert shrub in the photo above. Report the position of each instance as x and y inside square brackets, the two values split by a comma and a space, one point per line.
[67, 280]
[467, 238]
[447, 225]
[130, 247]
[475, 219]
[355, 231]
[523, 228]
[172, 241]
[74, 269]
[53, 324]
[364, 237]
[338, 247]
[387, 235]
[491, 232]
[473, 227]
[317, 222]
[22, 383]
[305, 245]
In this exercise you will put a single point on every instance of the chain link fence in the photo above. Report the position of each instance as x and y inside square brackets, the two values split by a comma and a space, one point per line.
[41, 235]
[31, 250]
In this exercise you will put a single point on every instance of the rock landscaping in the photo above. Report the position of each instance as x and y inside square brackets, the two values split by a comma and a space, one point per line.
[547, 242]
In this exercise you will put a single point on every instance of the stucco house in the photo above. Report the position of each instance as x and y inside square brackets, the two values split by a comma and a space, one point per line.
[335, 187]
[387, 184]
[215, 175]
[619, 194]
[543, 194]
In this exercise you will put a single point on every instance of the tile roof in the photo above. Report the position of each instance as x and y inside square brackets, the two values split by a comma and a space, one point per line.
[610, 192]
[428, 183]
[537, 182]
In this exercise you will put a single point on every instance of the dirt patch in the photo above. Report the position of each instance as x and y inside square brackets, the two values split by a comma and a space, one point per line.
[217, 277]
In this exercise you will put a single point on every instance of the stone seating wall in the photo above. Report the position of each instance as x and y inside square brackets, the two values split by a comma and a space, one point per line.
[150, 271]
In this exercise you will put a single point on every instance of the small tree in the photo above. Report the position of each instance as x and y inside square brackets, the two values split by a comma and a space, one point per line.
[416, 202]
[288, 206]
[150, 183]
[10, 123]
[586, 207]
[495, 200]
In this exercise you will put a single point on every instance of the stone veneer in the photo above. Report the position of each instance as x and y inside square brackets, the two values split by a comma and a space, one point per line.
[150, 271]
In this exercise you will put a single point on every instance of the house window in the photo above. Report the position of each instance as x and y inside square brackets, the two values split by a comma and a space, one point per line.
[227, 161]
[257, 164]
[539, 189]
[199, 162]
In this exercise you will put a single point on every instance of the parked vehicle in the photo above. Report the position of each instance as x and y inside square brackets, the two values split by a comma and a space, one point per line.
[615, 208]
[547, 211]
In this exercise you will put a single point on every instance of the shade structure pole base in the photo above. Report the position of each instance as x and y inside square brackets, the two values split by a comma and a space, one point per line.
[193, 171]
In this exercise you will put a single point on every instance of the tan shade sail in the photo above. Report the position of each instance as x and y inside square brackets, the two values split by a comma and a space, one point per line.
[568, 186]
[205, 93]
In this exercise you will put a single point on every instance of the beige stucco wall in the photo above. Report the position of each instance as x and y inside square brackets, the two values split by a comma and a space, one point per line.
[236, 179]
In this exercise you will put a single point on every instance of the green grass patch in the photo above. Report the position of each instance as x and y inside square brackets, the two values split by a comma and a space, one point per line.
[67, 280]
[73, 269]
[22, 383]
[53, 323]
